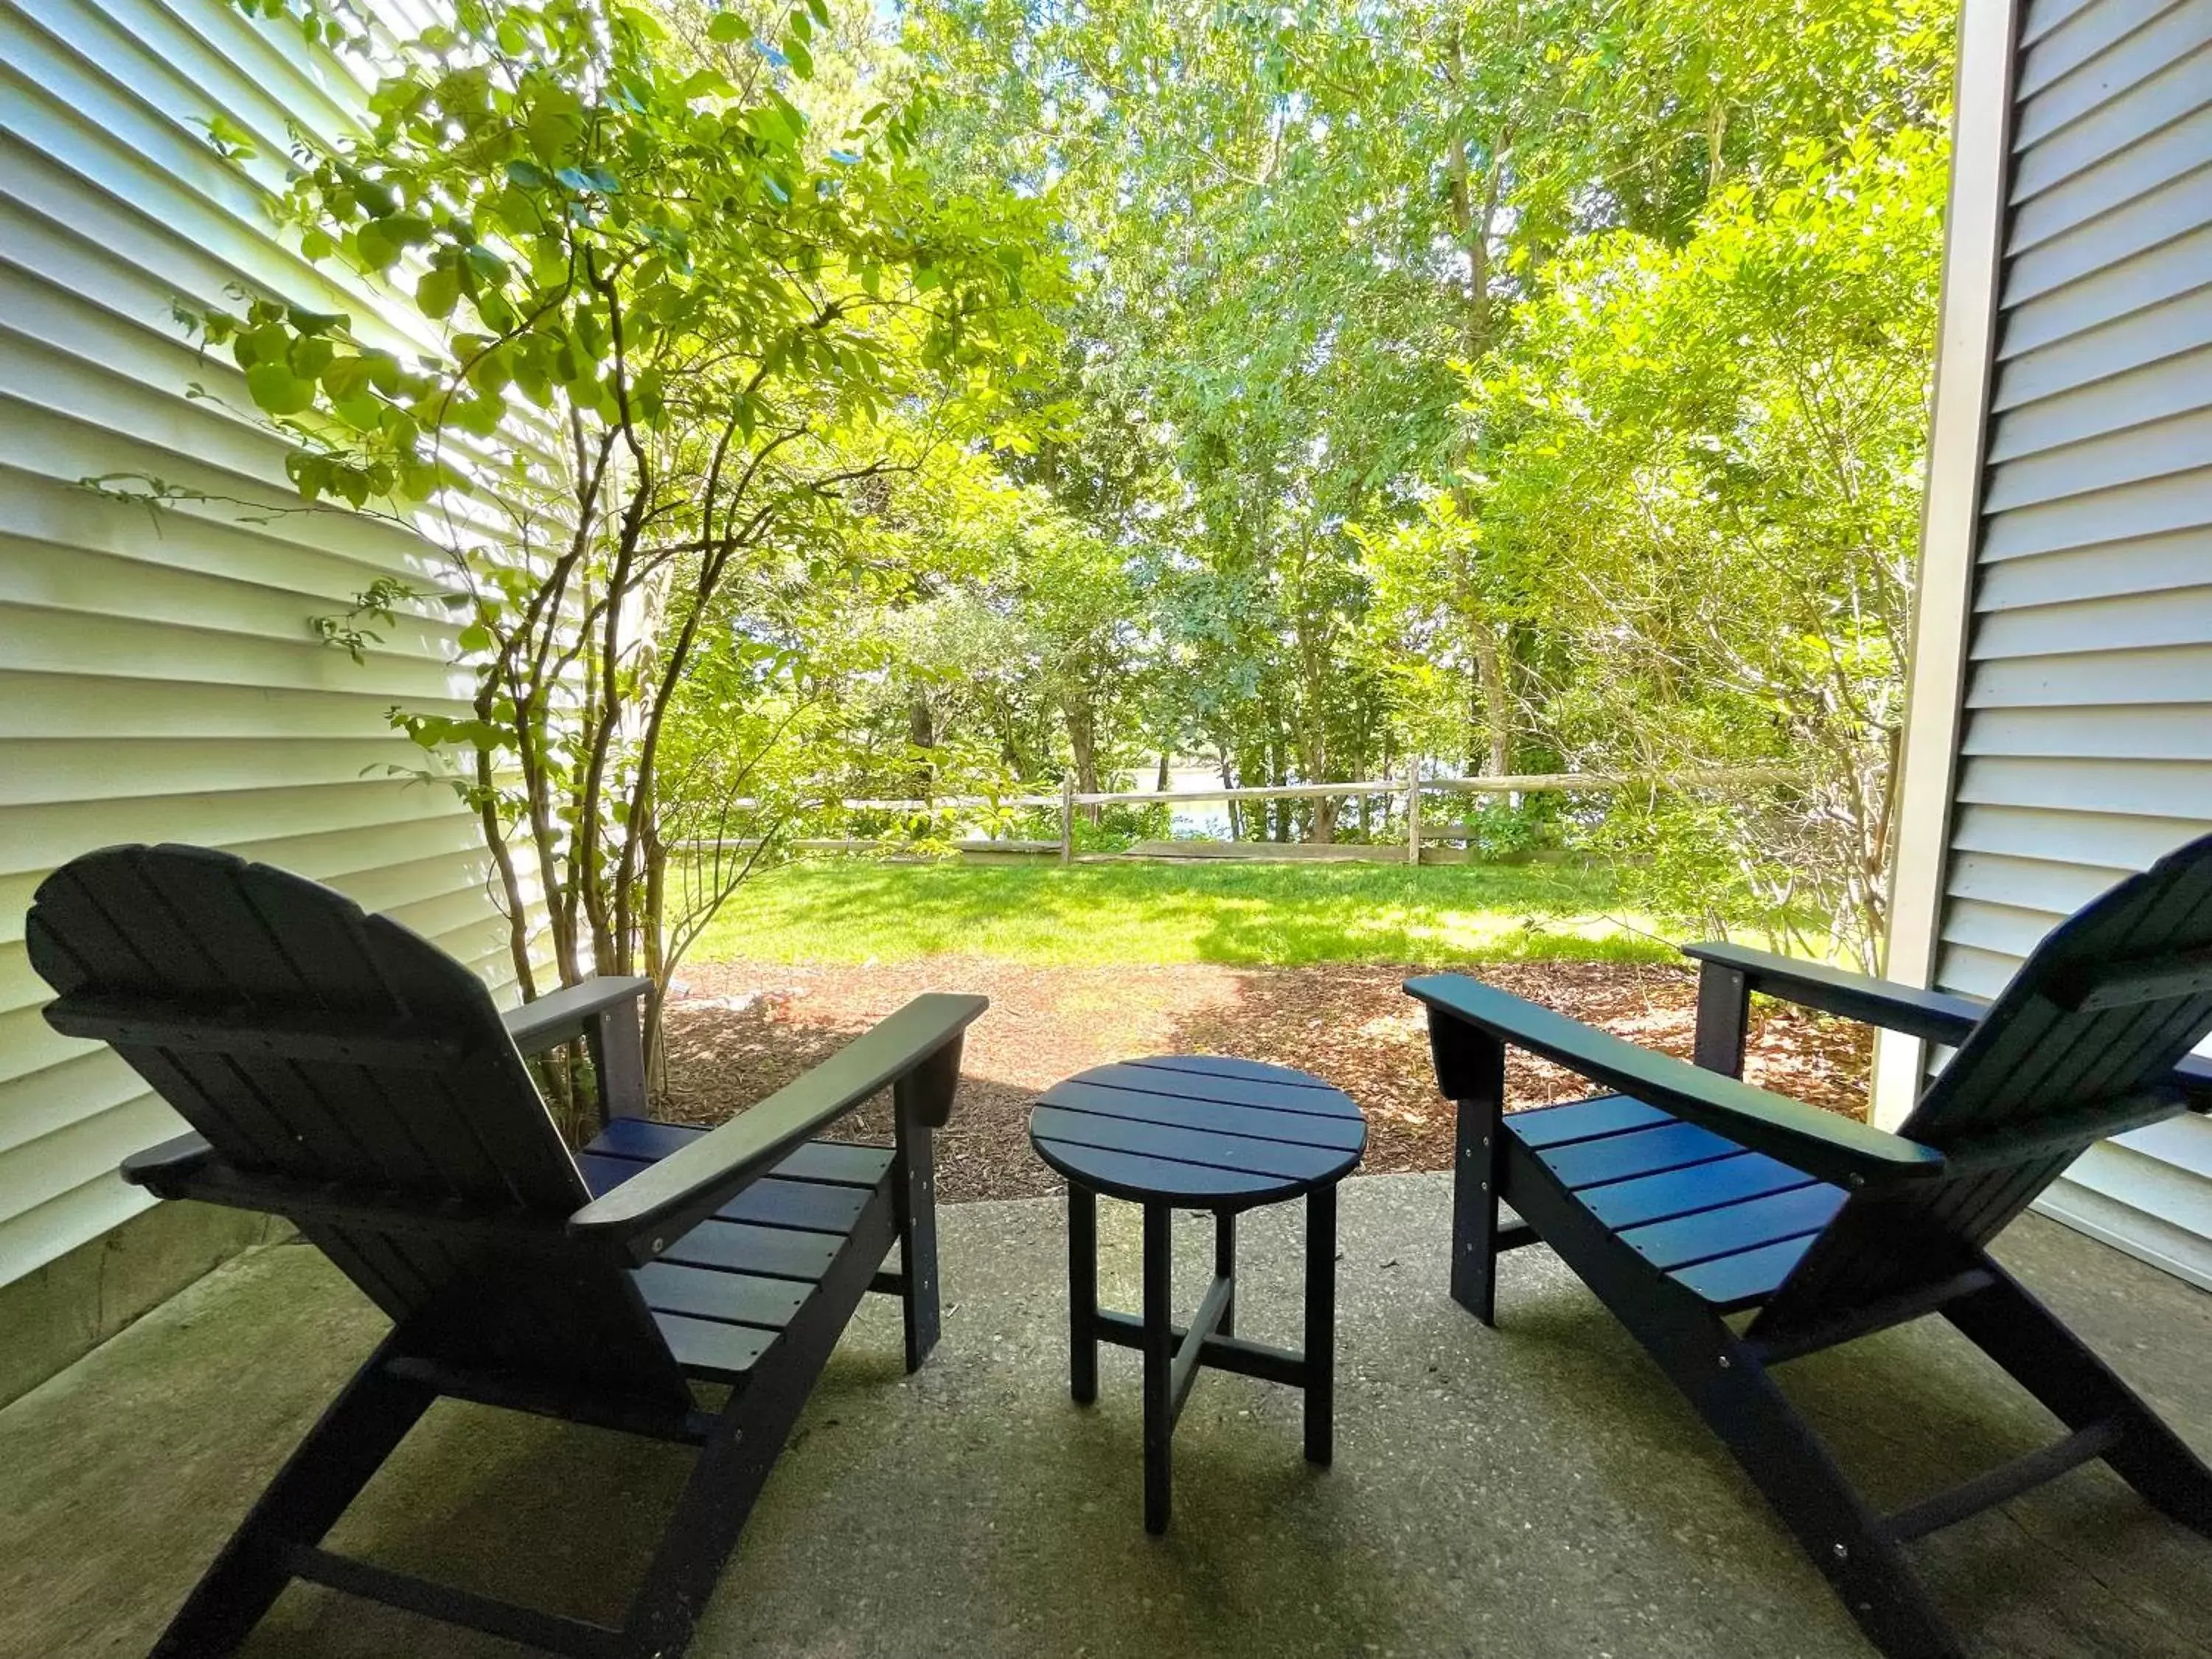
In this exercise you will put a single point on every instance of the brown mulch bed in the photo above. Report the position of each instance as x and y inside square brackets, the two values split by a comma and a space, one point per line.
[746, 1029]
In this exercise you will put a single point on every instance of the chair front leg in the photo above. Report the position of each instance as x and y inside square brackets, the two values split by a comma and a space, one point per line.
[1471, 1071]
[914, 1208]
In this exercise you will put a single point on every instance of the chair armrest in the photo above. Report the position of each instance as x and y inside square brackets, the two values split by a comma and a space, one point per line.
[1937, 1016]
[664, 1200]
[1821, 1144]
[162, 1170]
[560, 1016]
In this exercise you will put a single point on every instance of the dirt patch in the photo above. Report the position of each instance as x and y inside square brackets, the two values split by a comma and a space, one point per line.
[746, 1029]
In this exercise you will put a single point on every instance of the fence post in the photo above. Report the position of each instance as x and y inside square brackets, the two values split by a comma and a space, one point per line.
[1067, 819]
[1413, 810]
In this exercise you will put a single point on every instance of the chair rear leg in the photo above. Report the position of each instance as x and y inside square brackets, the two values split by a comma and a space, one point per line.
[1840, 1534]
[1725, 1382]
[2006, 1322]
[349, 1444]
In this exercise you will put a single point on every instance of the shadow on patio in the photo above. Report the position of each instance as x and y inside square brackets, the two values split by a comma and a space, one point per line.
[1536, 1491]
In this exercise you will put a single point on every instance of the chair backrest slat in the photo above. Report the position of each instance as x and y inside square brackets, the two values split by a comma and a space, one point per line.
[306, 1039]
[2084, 1038]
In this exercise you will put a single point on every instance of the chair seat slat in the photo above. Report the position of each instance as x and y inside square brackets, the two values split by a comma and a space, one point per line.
[1663, 1146]
[1734, 1228]
[1583, 1119]
[1685, 1191]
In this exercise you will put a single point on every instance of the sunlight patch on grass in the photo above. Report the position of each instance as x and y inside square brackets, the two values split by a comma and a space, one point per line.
[1097, 916]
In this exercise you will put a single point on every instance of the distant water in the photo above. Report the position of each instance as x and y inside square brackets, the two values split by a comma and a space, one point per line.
[1203, 819]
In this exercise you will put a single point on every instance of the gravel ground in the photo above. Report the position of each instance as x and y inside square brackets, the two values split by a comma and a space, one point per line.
[745, 1029]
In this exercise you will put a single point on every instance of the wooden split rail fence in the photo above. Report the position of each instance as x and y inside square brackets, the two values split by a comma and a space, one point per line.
[1409, 788]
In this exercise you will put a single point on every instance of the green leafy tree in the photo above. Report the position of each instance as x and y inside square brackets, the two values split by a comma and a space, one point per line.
[1739, 423]
[659, 327]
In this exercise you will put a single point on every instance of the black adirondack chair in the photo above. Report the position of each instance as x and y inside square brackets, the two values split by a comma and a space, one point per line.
[338, 1069]
[1689, 1196]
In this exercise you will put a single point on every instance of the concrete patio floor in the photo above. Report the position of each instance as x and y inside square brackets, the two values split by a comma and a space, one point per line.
[1536, 1491]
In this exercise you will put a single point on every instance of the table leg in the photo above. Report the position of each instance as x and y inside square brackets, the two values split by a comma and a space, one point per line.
[1081, 1294]
[1321, 1324]
[1159, 1361]
[1224, 1266]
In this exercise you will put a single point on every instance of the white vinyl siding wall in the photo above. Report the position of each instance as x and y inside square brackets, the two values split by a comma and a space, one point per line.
[158, 679]
[2085, 746]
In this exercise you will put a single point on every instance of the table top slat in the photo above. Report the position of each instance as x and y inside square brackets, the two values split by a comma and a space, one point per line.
[1202, 1130]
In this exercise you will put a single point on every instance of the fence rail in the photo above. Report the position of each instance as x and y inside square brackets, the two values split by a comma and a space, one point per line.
[1410, 788]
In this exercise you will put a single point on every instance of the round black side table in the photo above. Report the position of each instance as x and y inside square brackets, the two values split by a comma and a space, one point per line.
[1199, 1132]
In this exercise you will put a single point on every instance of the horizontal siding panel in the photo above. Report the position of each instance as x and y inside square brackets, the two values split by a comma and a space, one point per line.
[1974, 972]
[2063, 49]
[1997, 878]
[2164, 214]
[67, 452]
[2126, 623]
[2157, 731]
[2133, 59]
[42, 507]
[114, 1109]
[2153, 508]
[2079, 783]
[2169, 96]
[55, 577]
[2141, 1232]
[34, 639]
[67, 771]
[42, 837]
[2099, 299]
[2107, 848]
[120, 146]
[2154, 564]
[2186, 1142]
[2122, 405]
[2089, 679]
[2156, 335]
[94, 708]
[66, 1221]
[2161, 158]
[1997, 930]
[2161, 448]
[258, 87]
[2128, 1175]
[2043, 16]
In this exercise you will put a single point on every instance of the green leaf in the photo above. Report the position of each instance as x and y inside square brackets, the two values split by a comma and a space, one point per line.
[277, 391]
[439, 291]
[724, 26]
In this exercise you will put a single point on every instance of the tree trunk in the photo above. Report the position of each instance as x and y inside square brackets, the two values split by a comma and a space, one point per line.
[1082, 743]
[1496, 706]
[921, 733]
[1473, 222]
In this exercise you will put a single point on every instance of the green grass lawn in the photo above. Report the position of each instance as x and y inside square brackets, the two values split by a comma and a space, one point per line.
[1097, 914]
